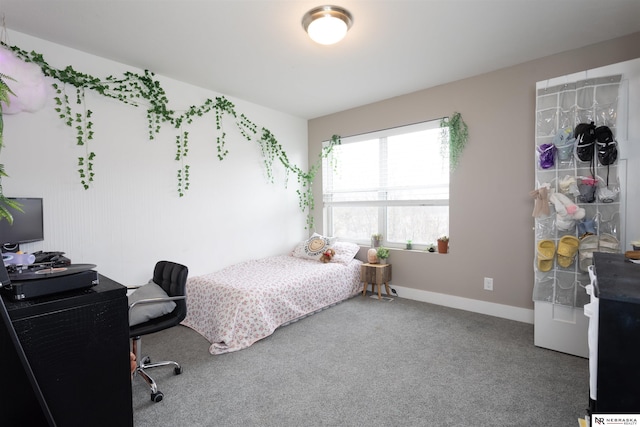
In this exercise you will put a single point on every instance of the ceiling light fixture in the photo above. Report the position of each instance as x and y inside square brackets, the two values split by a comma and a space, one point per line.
[327, 24]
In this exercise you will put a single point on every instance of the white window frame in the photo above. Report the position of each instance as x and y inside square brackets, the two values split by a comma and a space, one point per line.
[381, 203]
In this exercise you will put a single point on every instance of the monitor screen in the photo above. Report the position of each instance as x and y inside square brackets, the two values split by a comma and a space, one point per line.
[27, 225]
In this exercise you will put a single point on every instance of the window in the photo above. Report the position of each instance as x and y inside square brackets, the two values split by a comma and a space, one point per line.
[393, 182]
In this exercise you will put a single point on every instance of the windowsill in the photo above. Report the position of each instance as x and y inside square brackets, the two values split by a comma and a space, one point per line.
[396, 250]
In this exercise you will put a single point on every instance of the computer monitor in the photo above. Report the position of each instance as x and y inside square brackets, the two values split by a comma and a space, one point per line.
[27, 225]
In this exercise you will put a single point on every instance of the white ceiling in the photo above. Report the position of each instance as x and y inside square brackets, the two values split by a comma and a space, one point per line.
[256, 50]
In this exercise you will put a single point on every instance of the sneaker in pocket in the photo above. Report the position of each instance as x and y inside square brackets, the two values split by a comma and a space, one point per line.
[607, 146]
[587, 188]
[587, 226]
[585, 141]
[564, 141]
[588, 245]
[546, 155]
[608, 243]
[607, 194]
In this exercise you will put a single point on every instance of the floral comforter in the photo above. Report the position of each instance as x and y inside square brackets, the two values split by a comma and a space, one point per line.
[243, 303]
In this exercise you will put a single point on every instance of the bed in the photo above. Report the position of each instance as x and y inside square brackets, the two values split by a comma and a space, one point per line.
[243, 303]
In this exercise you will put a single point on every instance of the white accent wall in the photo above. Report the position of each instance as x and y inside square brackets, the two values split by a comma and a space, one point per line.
[133, 216]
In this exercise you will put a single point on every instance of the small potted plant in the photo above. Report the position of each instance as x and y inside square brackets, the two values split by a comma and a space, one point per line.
[443, 244]
[376, 239]
[383, 254]
[431, 248]
[409, 244]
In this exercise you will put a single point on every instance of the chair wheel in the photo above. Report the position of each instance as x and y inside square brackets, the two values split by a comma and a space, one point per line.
[146, 360]
[157, 397]
[177, 370]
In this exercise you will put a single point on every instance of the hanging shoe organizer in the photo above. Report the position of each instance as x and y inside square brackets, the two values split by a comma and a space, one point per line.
[583, 195]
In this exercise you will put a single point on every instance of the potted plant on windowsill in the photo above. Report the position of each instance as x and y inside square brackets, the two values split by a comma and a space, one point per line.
[376, 239]
[383, 254]
[443, 244]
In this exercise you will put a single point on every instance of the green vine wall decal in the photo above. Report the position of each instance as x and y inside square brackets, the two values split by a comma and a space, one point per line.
[458, 136]
[143, 90]
[5, 203]
[181, 152]
[83, 127]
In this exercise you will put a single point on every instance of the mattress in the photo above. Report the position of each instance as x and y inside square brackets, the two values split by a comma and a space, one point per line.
[243, 303]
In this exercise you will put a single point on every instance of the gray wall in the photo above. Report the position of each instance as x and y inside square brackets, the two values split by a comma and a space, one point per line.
[490, 208]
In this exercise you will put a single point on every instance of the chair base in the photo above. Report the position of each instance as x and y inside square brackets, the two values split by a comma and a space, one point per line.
[145, 363]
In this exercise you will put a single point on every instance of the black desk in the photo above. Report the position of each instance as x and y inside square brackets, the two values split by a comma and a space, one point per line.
[618, 378]
[78, 346]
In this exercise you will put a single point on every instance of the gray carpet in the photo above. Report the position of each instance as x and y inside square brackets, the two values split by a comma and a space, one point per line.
[369, 363]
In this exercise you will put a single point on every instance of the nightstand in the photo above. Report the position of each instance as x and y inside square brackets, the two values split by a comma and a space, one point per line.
[377, 275]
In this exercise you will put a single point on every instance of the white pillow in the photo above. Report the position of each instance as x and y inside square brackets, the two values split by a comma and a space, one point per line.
[345, 252]
[141, 313]
[331, 240]
[313, 247]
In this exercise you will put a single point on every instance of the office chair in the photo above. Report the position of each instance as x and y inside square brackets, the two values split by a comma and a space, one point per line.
[172, 278]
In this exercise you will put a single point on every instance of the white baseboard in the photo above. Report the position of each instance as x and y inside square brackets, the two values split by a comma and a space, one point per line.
[490, 308]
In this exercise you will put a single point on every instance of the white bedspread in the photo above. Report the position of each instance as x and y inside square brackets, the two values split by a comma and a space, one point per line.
[243, 303]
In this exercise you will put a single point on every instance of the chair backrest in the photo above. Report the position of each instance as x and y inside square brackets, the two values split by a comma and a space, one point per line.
[172, 277]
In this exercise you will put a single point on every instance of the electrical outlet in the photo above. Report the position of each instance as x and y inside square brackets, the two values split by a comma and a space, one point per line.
[488, 284]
